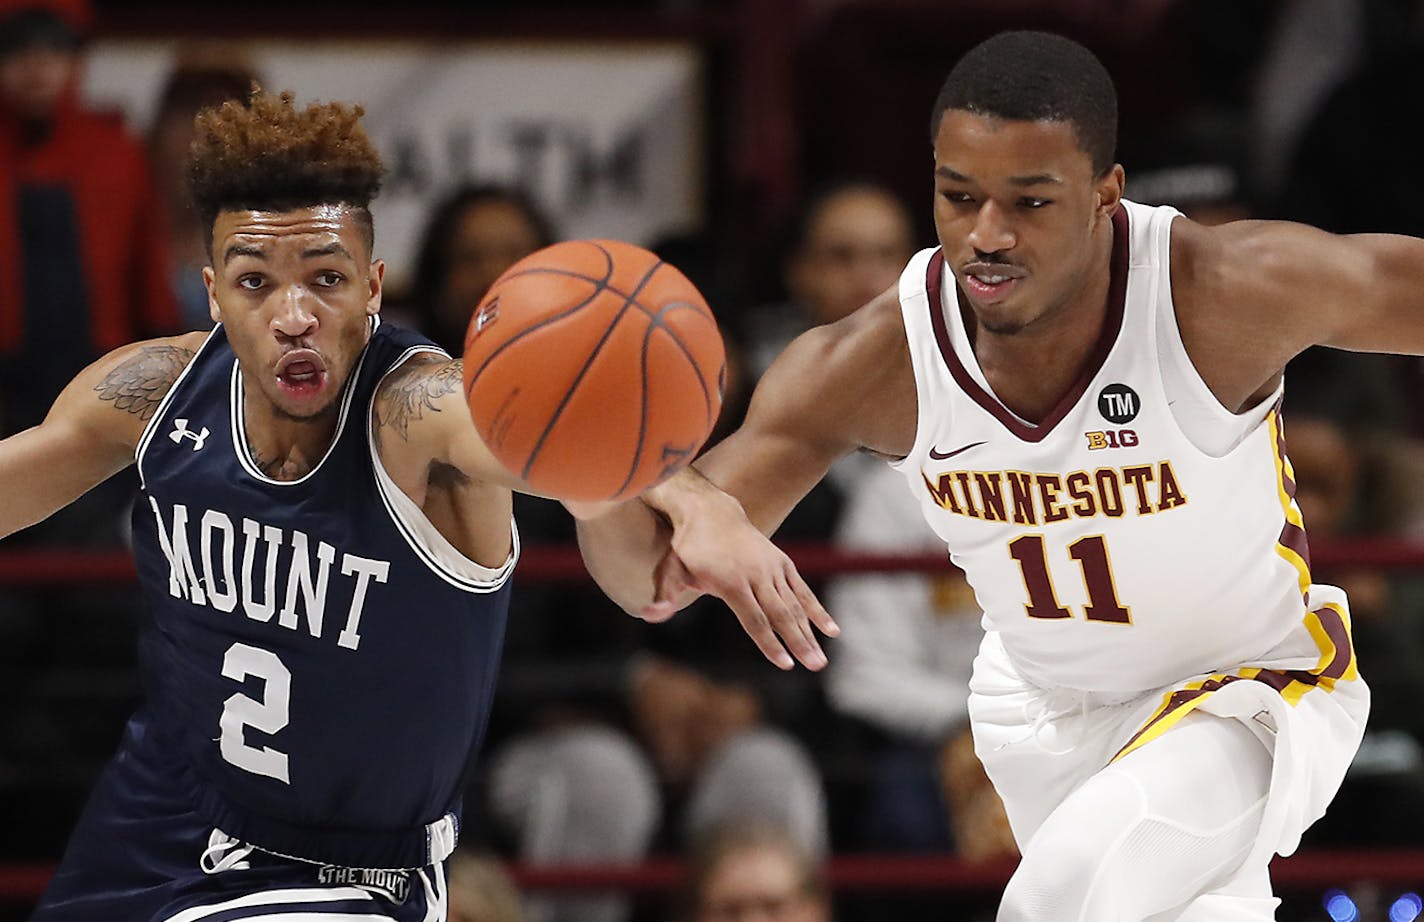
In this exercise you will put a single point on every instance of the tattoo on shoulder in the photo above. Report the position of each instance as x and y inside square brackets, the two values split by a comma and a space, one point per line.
[138, 384]
[414, 389]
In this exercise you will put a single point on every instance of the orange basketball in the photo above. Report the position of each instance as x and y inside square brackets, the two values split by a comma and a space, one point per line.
[593, 369]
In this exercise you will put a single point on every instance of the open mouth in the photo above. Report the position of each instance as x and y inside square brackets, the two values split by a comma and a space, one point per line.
[301, 373]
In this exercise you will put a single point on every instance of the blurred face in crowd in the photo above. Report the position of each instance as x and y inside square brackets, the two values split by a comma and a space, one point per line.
[1327, 472]
[759, 884]
[33, 79]
[172, 133]
[854, 248]
[489, 237]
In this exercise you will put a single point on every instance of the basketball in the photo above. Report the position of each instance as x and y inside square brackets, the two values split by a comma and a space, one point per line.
[593, 370]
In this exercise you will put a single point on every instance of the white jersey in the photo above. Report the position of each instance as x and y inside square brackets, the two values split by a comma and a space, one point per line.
[1141, 533]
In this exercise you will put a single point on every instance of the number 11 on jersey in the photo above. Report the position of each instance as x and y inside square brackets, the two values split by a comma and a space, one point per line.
[1092, 556]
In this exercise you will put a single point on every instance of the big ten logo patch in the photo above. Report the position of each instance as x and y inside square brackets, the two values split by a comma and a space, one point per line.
[1111, 438]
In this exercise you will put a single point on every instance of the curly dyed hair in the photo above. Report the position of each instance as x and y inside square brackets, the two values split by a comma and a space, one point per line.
[268, 155]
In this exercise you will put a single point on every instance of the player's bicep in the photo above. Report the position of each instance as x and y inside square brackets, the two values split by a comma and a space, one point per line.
[421, 419]
[91, 431]
[795, 429]
[1379, 295]
[107, 406]
[1308, 287]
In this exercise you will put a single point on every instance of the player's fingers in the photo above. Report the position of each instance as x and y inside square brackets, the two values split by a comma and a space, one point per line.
[752, 615]
[815, 611]
[793, 619]
[788, 619]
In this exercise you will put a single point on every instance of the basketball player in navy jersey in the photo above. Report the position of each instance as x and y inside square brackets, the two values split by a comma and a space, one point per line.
[1083, 394]
[324, 547]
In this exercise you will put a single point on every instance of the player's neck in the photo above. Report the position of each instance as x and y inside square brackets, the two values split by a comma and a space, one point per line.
[1030, 370]
[282, 447]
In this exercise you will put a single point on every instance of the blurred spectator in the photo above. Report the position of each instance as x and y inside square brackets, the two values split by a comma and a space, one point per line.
[568, 776]
[83, 263]
[1363, 128]
[1310, 48]
[846, 244]
[1351, 482]
[578, 789]
[754, 871]
[1197, 165]
[83, 270]
[471, 238]
[204, 75]
[902, 663]
[481, 890]
[1315, 49]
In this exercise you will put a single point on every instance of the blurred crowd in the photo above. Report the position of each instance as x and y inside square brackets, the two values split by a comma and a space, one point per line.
[616, 741]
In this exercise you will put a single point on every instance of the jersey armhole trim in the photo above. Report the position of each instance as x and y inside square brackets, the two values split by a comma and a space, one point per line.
[1171, 347]
[914, 307]
[433, 548]
[158, 415]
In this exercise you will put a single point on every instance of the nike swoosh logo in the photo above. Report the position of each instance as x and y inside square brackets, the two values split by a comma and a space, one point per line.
[936, 456]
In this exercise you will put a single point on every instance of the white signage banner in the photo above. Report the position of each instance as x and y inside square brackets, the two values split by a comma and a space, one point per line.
[605, 137]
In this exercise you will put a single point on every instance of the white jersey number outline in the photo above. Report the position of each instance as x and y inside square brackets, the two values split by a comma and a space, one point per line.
[268, 715]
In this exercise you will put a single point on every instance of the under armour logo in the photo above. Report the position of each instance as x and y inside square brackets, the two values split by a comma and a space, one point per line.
[180, 432]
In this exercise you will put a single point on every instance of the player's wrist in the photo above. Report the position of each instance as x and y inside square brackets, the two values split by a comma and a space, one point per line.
[687, 495]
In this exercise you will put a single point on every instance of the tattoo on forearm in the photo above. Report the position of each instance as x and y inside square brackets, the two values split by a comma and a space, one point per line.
[414, 390]
[139, 384]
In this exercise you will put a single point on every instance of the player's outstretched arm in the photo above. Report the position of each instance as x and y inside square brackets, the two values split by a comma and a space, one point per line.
[90, 433]
[422, 420]
[1252, 295]
[835, 389]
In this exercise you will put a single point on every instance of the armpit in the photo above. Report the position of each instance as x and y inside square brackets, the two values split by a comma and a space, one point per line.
[139, 383]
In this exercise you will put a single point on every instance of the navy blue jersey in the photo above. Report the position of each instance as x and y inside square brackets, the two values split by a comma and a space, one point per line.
[322, 659]
[142, 853]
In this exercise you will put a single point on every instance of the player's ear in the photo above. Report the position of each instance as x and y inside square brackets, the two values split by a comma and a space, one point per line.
[1109, 191]
[208, 279]
[374, 280]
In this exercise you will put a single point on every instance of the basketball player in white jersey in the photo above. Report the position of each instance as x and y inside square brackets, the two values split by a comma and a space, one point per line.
[1084, 394]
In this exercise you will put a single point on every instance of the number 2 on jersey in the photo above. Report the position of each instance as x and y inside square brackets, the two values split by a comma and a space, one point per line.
[1092, 556]
[266, 716]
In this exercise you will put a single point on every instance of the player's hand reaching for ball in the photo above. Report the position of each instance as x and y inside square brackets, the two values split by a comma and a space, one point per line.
[717, 551]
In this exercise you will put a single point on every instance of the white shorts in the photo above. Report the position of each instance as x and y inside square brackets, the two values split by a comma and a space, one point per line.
[1304, 700]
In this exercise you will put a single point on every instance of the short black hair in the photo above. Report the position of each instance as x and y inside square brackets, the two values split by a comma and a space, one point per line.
[1036, 76]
